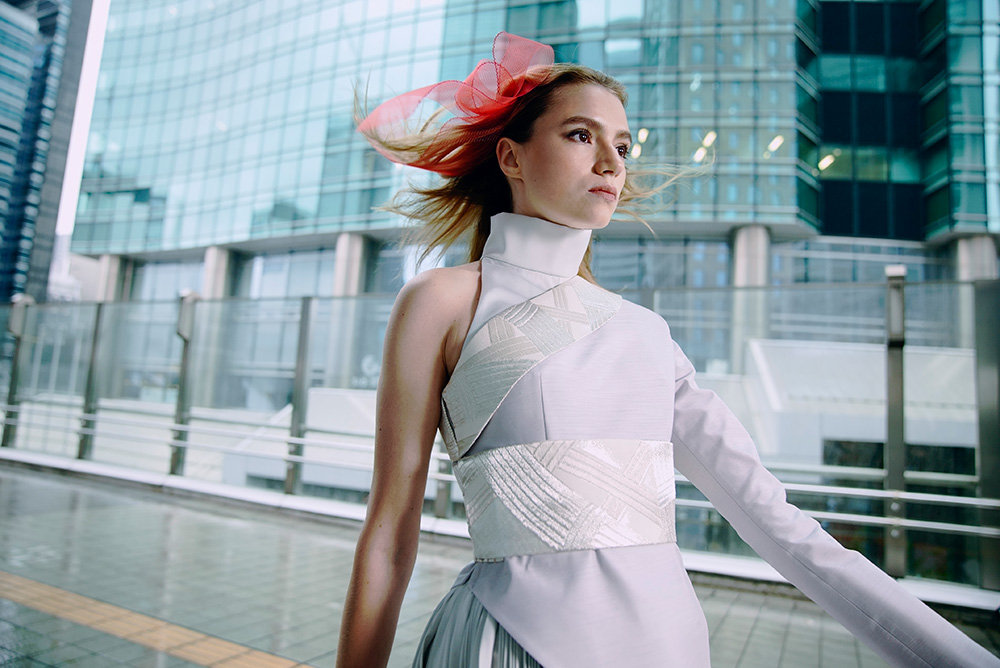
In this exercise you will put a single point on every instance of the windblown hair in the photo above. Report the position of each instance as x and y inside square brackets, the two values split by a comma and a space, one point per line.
[462, 205]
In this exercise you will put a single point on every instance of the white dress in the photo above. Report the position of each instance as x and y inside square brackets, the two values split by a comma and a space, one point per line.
[565, 416]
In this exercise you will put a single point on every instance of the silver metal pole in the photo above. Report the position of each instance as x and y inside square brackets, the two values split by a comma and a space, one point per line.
[15, 325]
[895, 444]
[442, 497]
[182, 411]
[88, 424]
[300, 398]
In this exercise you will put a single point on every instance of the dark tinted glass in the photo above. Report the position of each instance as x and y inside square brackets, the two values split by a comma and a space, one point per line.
[904, 119]
[904, 30]
[873, 209]
[907, 213]
[871, 118]
[837, 208]
[869, 25]
[835, 27]
[836, 118]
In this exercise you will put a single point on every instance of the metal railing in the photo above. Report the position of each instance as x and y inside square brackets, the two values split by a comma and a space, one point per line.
[279, 394]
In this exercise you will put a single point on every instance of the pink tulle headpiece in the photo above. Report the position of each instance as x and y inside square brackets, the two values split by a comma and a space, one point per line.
[482, 103]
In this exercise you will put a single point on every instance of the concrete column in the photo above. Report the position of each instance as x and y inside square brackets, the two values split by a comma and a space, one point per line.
[751, 256]
[109, 278]
[975, 259]
[751, 248]
[211, 326]
[215, 277]
[349, 265]
[348, 282]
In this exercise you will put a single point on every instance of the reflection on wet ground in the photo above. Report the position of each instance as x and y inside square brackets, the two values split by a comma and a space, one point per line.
[98, 575]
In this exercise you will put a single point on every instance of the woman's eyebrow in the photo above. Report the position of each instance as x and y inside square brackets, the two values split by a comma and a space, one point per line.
[596, 125]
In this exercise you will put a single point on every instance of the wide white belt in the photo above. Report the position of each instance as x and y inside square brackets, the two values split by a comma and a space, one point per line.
[554, 496]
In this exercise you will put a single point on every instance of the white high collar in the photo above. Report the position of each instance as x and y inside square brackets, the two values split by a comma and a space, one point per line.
[536, 244]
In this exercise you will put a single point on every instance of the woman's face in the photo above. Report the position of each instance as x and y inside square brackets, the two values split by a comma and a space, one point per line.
[572, 169]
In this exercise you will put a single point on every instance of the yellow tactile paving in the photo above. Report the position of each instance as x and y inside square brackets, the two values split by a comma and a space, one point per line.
[166, 637]
[208, 651]
[256, 660]
[128, 625]
[137, 628]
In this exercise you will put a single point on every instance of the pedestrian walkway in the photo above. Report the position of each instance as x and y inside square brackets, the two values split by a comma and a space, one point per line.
[95, 575]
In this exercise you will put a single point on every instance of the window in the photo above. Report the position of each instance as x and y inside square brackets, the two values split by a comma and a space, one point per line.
[871, 118]
[835, 27]
[836, 117]
[869, 27]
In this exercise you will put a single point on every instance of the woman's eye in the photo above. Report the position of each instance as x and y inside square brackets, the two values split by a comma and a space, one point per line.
[623, 151]
[582, 135]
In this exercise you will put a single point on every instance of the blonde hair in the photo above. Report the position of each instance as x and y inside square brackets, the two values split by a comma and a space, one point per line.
[463, 205]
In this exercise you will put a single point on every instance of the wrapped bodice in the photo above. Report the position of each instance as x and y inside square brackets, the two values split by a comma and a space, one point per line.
[549, 495]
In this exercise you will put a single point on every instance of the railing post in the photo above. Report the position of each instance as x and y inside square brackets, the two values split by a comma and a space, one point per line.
[88, 424]
[987, 324]
[442, 497]
[895, 443]
[15, 325]
[182, 412]
[300, 398]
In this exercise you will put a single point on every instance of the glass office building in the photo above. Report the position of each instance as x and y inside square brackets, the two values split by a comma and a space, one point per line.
[223, 133]
[51, 60]
[18, 30]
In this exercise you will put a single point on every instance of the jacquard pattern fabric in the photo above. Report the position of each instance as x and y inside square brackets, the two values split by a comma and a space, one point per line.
[511, 344]
[568, 495]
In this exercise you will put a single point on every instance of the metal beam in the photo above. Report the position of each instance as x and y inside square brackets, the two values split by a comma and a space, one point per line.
[895, 443]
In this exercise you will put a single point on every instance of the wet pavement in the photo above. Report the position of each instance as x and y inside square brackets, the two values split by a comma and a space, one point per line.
[99, 574]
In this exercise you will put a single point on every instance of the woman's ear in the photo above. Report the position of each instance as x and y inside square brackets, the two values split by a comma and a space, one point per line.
[509, 157]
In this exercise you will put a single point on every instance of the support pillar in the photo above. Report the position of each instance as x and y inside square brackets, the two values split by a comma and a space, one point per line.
[109, 278]
[215, 285]
[975, 259]
[751, 252]
[300, 398]
[348, 281]
[987, 302]
[215, 273]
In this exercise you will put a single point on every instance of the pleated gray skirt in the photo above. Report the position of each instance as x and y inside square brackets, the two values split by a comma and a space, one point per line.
[462, 634]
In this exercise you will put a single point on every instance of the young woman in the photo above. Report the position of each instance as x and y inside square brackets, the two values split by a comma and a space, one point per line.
[565, 410]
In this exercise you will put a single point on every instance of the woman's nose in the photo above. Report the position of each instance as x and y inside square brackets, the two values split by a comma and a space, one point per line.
[608, 161]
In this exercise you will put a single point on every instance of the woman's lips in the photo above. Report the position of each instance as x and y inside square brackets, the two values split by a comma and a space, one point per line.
[607, 193]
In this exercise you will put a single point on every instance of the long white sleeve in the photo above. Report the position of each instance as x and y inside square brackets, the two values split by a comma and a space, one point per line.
[717, 455]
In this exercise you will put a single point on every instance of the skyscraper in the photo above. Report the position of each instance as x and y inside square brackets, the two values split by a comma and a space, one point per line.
[836, 136]
[56, 52]
[18, 32]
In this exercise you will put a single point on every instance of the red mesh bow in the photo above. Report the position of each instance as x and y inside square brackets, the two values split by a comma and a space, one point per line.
[479, 106]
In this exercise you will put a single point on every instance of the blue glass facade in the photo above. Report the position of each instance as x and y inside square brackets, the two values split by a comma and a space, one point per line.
[54, 59]
[230, 124]
[17, 37]
[908, 117]
[18, 34]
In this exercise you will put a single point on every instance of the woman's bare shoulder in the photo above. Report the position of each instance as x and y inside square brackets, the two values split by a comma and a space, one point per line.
[443, 288]
[440, 303]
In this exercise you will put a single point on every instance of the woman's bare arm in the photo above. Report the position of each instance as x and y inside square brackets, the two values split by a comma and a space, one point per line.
[426, 322]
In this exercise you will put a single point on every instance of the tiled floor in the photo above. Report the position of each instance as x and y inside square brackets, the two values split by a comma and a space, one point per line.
[93, 575]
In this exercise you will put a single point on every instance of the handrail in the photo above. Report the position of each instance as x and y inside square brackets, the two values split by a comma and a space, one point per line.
[828, 490]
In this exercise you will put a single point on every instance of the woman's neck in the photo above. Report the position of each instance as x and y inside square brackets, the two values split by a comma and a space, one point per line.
[536, 245]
